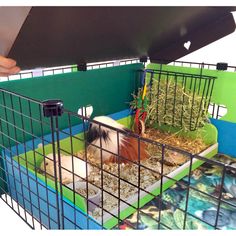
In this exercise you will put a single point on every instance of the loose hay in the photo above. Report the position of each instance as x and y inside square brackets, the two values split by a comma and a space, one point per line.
[128, 172]
[150, 169]
[192, 146]
[83, 192]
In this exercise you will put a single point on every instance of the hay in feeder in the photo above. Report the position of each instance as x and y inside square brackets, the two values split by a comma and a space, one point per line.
[171, 103]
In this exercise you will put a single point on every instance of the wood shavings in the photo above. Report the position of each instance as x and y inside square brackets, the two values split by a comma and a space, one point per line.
[174, 158]
[122, 181]
[83, 192]
[150, 170]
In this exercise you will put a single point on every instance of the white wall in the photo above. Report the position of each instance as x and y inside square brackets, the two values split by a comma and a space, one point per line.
[223, 50]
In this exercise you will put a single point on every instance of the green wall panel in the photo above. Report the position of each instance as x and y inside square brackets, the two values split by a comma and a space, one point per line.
[108, 90]
[224, 88]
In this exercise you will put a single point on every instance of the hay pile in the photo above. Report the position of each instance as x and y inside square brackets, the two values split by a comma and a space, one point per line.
[111, 175]
[83, 192]
[149, 174]
[150, 169]
[192, 146]
[172, 104]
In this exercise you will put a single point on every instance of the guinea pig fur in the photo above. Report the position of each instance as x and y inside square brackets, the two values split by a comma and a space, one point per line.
[104, 140]
[80, 168]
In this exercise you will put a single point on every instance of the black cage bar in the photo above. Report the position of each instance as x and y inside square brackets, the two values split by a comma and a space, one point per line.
[43, 198]
[176, 99]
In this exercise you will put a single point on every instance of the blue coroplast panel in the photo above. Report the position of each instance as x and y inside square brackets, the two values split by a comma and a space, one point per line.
[226, 136]
[41, 200]
[36, 197]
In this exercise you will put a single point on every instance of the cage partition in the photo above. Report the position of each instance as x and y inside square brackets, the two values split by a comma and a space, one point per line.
[48, 170]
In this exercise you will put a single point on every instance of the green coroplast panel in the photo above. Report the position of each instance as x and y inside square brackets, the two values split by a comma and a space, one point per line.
[108, 90]
[224, 88]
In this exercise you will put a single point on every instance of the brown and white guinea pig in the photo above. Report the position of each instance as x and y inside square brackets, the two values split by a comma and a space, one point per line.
[107, 139]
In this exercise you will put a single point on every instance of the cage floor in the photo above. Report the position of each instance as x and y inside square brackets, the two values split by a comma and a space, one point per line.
[149, 172]
[201, 208]
[79, 206]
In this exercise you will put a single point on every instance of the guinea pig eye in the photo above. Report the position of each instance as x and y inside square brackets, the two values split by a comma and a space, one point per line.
[46, 163]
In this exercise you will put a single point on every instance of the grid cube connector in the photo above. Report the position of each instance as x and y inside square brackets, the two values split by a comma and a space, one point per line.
[52, 108]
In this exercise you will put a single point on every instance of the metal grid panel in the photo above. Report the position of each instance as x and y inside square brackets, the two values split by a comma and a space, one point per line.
[41, 203]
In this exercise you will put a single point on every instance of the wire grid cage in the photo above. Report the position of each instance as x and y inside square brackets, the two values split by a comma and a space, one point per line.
[176, 99]
[35, 176]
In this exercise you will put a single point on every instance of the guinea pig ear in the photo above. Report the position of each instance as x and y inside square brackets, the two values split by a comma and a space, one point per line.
[86, 111]
[105, 135]
[92, 134]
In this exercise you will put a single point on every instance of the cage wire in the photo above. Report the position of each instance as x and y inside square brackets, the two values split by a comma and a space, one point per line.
[174, 98]
[49, 177]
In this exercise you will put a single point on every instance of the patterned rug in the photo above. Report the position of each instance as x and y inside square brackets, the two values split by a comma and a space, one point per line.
[202, 207]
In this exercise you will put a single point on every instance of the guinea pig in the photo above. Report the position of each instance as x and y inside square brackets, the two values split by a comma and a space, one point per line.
[126, 147]
[47, 166]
